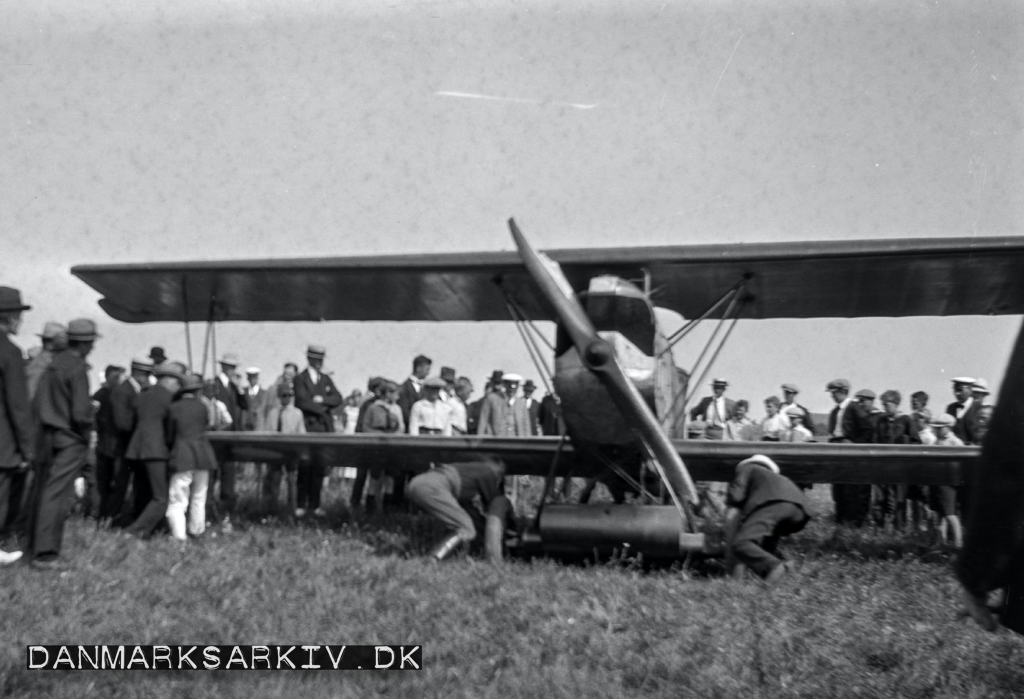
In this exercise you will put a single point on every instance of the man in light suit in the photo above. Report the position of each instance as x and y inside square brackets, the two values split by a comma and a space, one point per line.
[315, 395]
[517, 417]
[715, 410]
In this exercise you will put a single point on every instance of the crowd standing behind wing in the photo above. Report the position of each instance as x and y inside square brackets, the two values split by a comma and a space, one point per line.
[150, 427]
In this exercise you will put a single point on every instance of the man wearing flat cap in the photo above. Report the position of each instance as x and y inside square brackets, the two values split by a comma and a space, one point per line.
[714, 410]
[849, 423]
[430, 414]
[789, 392]
[964, 409]
[767, 506]
[64, 407]
[17, 435]
[54, 338]
[315, 395]
[150, 445]
[411, 389]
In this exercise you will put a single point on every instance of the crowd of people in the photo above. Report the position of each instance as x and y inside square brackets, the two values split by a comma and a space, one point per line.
[144, 432]
[856, 419]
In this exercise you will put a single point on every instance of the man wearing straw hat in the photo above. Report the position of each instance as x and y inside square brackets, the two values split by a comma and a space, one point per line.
[65, 412]
[17, 445]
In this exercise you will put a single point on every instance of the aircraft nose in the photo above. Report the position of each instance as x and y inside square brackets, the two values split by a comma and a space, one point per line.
[597, 354]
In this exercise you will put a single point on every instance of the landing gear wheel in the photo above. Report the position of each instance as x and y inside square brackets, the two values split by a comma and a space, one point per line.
[494, 531]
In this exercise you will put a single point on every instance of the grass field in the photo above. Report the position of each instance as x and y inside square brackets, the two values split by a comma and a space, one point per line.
[868, 615]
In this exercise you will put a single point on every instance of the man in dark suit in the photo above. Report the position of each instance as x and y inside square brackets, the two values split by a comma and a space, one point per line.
[532, 407]
[315, 395]
[123, 401]
[848, 422]
[965, 410]
[150, 446]
[767, 506]
[411, 389]
[65, 412]
[106, 444]
[715, 410]
[236, 401]
[17, 445]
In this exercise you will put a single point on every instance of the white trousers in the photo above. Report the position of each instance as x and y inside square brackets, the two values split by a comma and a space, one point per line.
[187, 491]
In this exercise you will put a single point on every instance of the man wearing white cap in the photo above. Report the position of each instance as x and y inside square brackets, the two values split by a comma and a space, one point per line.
[714, 410]
[964, 409]
[768, 506]
[256, 402]
[980, 392]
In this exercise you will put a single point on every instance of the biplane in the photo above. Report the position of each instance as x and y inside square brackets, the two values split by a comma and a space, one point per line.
[622, 396]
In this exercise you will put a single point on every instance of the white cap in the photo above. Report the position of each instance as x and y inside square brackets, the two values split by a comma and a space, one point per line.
[512, 377]
[762, 460]
[252, 370]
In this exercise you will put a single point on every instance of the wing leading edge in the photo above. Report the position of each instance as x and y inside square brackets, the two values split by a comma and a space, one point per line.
[841, 279]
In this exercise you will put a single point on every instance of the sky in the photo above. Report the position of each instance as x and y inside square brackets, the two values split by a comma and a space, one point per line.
[146, 131]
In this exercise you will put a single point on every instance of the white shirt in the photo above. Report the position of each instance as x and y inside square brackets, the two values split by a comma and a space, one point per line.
[715, 414]
[434, 416]
[838, 431]
[774, 426]
[314, 375]
[458, 415]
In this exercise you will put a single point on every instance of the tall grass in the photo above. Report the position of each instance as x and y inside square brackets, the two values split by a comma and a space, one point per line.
[868, 615]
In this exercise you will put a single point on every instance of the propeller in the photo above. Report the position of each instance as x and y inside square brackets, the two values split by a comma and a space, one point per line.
[598, 356]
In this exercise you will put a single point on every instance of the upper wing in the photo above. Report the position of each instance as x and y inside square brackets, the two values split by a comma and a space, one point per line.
[705, 460]
[844, 279]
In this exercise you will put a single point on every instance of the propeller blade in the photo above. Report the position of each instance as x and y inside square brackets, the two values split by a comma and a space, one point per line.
[599, 357]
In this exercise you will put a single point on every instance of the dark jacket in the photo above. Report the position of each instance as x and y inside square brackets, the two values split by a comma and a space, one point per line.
[701, 411]
[967, 424]
[755, 486]
[234, 400]
[153, 414]
[857, 424]
[106, 430]
[895, 430]
[123, 401]
[379, 418]
[16, 427]
[317, 415]
[186, 432]
[408, 394]
[480, 479]
[62, 399]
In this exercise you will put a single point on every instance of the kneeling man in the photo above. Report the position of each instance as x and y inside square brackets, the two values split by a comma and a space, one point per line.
[764, 506]
[446, 493]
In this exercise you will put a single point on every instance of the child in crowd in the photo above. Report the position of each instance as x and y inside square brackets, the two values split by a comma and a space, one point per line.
[943, 497]
[775, 424]
[383, 418]
[286, 419]
[739, 427]
[797, 431]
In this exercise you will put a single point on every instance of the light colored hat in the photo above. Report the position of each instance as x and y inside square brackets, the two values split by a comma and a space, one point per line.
[795, 410]
[963, 379]
[762, 460]
[229, 358]
[981, 386]
[942, 420]
[719, 382]
[435, 382]
[316, 351]
[252, 370]
[838, 385]
[82, 329]
[52, 330]
[512, 378]
[175, 369]
[791, 388]
[142, 364]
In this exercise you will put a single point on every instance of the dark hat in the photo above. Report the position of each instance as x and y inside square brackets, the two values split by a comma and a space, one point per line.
[229, 359]
[529, 385]
[52, 330]
[865, 393]
[838, 385]
[496, 376]
[157, 354]
[10, 300]
[82, 330]
[285, 389]
[374, 383]
[435, 382]
[316, 351]
[422, 359]
[448, 374]
[111, 368]
[191, 382]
